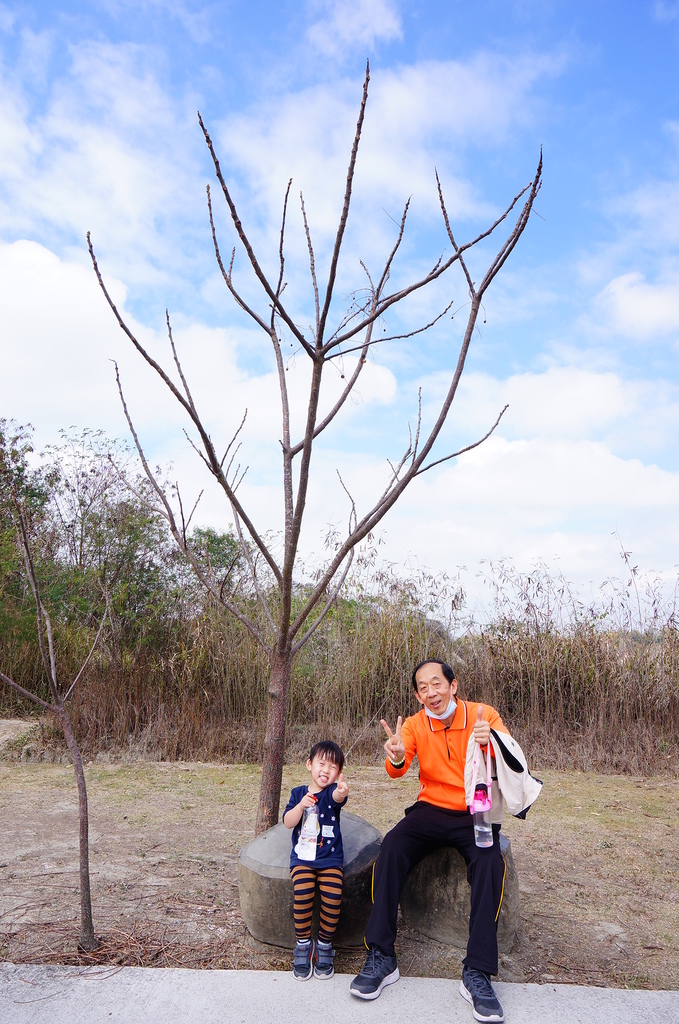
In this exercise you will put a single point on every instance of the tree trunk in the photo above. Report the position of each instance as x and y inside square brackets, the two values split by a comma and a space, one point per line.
[87, 939]
[274, 741]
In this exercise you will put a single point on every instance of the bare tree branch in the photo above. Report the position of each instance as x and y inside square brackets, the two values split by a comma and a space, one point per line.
[281, 258]
[395, 337]
[227, 275]
[197, 450]
[176, 361]
[227, 574]
[193, 510]
[47, 657]
[467, 448]
[27, 693]
[143, 498]
[253, 574]
[301, 618]
[215, 467]
[87, 659]
[345, 213]
[354, 310]
[283, 386]
[419, 421]
[312, 267]
[392, 255]
[375, 292]
[349, 387]
[389, 498]
[228, 447]
[454, 244]
[50, 645]
[240, 231]
[329, 603]
[168, 514]
[439, 269]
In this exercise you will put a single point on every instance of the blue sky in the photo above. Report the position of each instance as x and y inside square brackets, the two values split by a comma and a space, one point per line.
[98, 132]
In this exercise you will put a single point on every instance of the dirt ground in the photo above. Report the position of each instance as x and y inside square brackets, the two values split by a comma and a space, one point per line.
[597, 858]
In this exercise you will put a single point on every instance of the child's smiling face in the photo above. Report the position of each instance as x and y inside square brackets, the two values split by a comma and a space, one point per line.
[323, 773]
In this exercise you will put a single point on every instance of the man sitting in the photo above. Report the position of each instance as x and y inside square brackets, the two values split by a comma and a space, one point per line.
[438, 734]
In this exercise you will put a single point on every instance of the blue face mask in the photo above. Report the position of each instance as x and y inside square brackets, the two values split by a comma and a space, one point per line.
[446, 714]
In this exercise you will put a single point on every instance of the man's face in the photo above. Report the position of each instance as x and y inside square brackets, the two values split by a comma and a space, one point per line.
[433, 689]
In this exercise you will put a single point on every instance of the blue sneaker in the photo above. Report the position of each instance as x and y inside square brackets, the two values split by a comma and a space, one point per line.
[302, 964]
[476, 988]
[378, 972]
[324, 956]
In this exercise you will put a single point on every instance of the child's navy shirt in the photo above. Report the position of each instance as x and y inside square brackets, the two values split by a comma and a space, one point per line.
[329, 850]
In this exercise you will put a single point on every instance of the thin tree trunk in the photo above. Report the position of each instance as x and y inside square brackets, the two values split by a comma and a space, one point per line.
[87, 939]
[274, 741]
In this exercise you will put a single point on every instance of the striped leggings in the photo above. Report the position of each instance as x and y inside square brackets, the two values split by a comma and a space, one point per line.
[304, 889]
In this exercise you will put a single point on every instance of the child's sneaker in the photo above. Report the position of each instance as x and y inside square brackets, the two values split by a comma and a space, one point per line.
[324, 956]
[302, 964]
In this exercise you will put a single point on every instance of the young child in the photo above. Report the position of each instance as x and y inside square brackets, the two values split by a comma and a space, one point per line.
[328, 790]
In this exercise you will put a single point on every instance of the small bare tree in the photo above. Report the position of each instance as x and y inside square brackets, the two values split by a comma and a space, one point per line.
[287, 628]
[57, 707]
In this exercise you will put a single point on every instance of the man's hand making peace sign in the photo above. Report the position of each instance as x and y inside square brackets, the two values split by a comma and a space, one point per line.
[394, 747]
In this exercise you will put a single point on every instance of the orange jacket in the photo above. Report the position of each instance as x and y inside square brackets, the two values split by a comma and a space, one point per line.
[442, 752]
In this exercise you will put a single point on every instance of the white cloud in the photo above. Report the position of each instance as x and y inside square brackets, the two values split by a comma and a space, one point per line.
[666, 10]
[196, 23]
[59, 337]
[109, 153]
[632, 281]
[556, 501]
[418, 117]
[650, 214]
[629, 416]
[538, 500]
[547, 490]
[635, 308]
[350, 23]
[112, 151]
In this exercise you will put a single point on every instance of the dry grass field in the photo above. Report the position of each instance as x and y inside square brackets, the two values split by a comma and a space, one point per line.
[598, 862]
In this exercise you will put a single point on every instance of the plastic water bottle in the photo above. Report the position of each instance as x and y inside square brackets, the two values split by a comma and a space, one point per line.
[483, 798]
[306, 845]
[483, 830]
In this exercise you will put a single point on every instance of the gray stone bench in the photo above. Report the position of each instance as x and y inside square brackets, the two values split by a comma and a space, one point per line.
[435, 899]
[436, 902]
[265, 886]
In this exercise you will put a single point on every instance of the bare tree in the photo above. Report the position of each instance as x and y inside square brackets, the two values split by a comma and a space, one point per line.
[57, 707]
[286, 629]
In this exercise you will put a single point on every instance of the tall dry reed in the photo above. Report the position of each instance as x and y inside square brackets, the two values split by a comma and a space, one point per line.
[593, 686]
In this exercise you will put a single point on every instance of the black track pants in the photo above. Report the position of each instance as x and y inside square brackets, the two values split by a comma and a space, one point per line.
[424, 829]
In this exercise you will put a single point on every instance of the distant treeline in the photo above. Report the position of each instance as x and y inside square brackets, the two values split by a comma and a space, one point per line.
[594, 687]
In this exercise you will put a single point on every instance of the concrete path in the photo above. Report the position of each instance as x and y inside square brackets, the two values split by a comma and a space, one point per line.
[135, 995]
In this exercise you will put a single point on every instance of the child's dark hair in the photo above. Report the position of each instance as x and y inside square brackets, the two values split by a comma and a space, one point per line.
[445, 669]
[331, 751]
